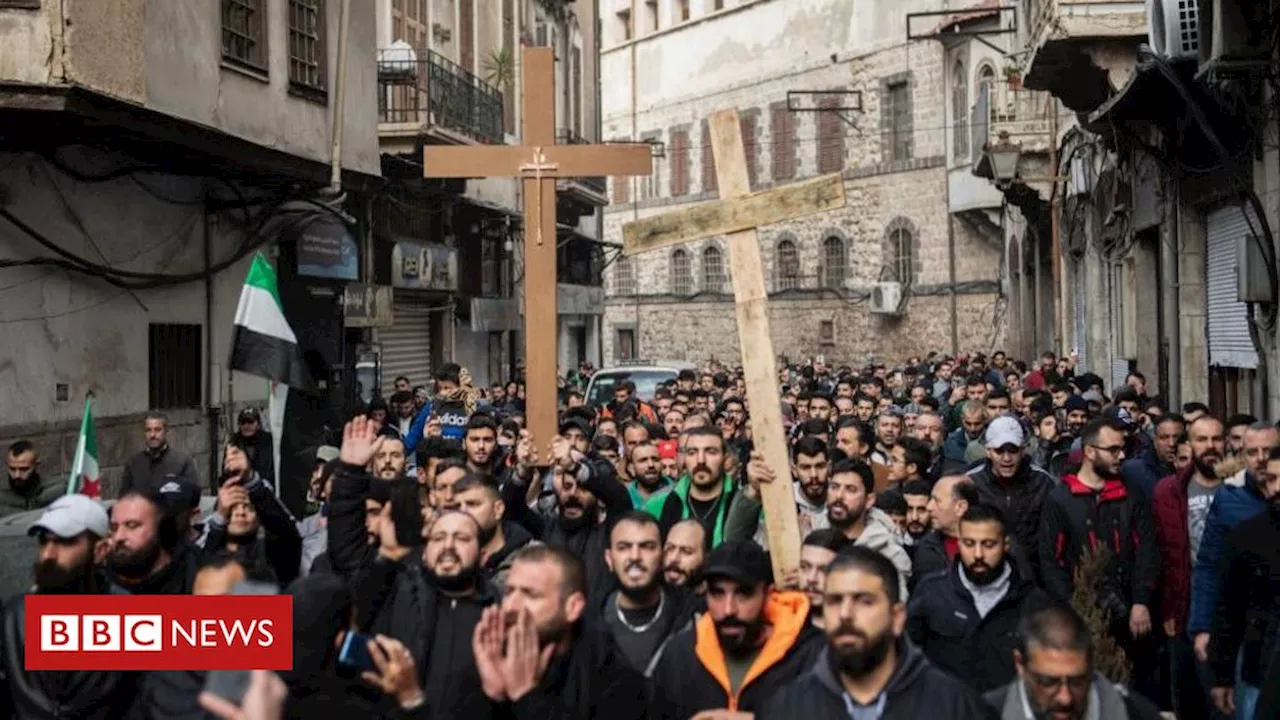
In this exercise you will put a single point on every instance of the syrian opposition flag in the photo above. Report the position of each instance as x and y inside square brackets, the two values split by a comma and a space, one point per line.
[85, 478]
[264, 343]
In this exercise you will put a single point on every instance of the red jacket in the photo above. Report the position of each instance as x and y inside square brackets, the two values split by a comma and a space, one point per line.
[1169, 504]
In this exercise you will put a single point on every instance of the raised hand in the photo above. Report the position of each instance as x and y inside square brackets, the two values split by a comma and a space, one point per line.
[525, 661]
[526, 454]
[235, 462]
[360, 441]
[758, 473]
[230, 495]
[486, 646]
[397, 673]
[562, 452]
[264, 700]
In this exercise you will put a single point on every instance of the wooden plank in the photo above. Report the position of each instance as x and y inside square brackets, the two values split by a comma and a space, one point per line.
[751, 302]
[570, 161]
[733, 214]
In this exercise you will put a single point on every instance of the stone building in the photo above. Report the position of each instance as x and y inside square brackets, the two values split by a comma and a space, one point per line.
[822, 86]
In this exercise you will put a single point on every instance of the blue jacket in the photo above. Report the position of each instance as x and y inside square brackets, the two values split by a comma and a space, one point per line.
[1145, 471]
[1231, 506]
[954, 447]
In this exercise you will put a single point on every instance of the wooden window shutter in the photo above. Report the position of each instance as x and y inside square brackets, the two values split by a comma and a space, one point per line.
[784, 144]
[830, 138]
[748, 123]
[709, 181]
[679, 163]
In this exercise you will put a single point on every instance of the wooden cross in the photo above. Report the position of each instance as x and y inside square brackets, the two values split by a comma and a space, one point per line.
[538, 162]
[737, 215]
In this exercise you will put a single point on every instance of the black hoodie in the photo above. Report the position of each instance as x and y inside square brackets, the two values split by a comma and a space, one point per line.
[916, 689]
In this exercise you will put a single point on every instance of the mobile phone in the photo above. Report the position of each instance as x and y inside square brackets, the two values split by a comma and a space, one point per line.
[354, 652]
[230, 685]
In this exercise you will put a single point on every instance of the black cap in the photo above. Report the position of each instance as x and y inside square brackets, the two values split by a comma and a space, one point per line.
[249, 414]
[575, 422]
[742, 561]
[179, 494]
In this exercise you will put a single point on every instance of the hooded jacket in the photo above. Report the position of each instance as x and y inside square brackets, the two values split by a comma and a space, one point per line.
[746, 516]
[587, 540]
[279, 546]
[1021, 500]
[690, 674]
[881, 534]
[915, 690]
[672, 505]
[39, 494]
[498, 564]
[1114, 702]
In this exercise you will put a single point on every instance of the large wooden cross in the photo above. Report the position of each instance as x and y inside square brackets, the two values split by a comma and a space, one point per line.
[538, 162]
[737, 215]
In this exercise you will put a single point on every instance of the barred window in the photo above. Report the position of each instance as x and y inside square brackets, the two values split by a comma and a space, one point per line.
[902, 259]
[624, 277]
[713, 276]
[834, 265]
[306, 44]
[681, 274]
[787, 266]
[244, 33]
[174, 365]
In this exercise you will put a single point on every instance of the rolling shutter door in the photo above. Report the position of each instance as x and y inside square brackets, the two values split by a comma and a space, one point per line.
[406, 345]
[1229, 342]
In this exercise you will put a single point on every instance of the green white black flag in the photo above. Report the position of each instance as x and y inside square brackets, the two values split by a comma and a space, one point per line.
[264, 344]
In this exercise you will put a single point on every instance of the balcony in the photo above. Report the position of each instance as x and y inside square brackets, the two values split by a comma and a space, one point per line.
[422, 93]
[591, 191]
[1081, 51]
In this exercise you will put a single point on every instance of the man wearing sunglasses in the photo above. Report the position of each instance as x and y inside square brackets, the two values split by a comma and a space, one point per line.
[1056, 677]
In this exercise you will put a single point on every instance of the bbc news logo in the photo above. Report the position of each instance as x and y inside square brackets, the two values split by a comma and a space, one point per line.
[159, 632]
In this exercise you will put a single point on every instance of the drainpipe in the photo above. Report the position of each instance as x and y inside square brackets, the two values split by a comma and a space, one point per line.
[1169, 298]
[1055, 241]
[213, 416]
[636, 344]
[339, 101]
[951, 270]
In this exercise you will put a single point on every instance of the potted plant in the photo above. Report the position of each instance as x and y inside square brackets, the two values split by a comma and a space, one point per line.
[1013, 76]
[500, 68]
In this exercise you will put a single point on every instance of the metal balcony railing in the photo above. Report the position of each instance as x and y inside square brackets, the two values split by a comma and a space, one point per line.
[430, 90]
[1024, 114]
[600, 184]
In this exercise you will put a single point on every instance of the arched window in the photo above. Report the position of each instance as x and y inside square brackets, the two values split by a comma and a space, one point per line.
[624, 277]
[786, 270]
[834, 265]
[959, 112]
[986, 75]
[900, 244]
[712, 270]
[681, 276]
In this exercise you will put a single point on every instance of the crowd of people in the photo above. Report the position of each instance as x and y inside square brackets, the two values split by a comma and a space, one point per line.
[979, 539]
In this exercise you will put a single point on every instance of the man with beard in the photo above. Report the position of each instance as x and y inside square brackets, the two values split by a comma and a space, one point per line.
[149, 556]
[704, 493]
[480, 444]
[390, 461]
[644, 471]
[1096, 509]
[965, 619]
[1156, 462]
[683, 555]
[642, 613]
[916, 495]
[1009, 481]
[867, 669]
[26, 489]
[816, 553]
[752, 640]
[69, 533]
[1056, 677]
[582, 484]
[851, 511]
[148, 469]
[499, 538]
[246, 504]
[809, 467]
[541, 654]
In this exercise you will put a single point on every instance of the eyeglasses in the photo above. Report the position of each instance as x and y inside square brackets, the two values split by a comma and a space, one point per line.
[1074, 683]
[1111, 450]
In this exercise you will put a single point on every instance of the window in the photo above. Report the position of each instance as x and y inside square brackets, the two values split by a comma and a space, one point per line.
[624, 23]
[830, 136]
[712, 270]
[624, 277]
[681, 275]
[784, 143]
[682, 10]
[174, 361]
[651, 9]
[575, 62]
[827, 332]
[621, 190]
[717, 4]
[710, 183]
[959, 113]
[749, 121]
[834, 266]
[306, 44]
[679, 163]
[986, 75]
[244, 35]
[626, 344]
[409, 21]
[900, 251]
[786, 266]
[895, 119]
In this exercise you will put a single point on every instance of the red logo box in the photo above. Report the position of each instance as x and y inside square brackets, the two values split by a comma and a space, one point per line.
[159, 632]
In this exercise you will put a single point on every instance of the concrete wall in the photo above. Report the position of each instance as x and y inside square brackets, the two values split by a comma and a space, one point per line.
[166, 56]
[61, 327]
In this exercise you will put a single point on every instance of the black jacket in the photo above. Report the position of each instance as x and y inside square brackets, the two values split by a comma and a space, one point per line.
[1021, 500]
[1113, 698]
[58, 695]
[943, 621]
[916, 690]
[279, 548]
[170, 695]
[928, 556]
[148, 470]
[176, 578]
[684, 684]
[348, 548]
[261, 451]
[1247, 615]
[588, 541]
[1076, 518]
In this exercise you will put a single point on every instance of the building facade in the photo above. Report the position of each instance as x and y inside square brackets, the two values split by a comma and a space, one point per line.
[821, 86]
[149, 149]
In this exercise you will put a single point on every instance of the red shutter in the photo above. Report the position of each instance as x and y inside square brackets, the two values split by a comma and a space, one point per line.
[709, 181]
[784, 144]
[679, 163]
[830, 138]
[749, 145]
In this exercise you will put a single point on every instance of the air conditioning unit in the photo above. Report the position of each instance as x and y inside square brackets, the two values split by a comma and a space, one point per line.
[1173, 27]
[1233, 31]
[886, 298]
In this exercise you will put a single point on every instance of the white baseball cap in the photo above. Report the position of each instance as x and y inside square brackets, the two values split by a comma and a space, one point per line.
[1005, 430]
[71, 515]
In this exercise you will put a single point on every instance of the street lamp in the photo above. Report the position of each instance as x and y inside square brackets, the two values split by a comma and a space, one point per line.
[1004, 159]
